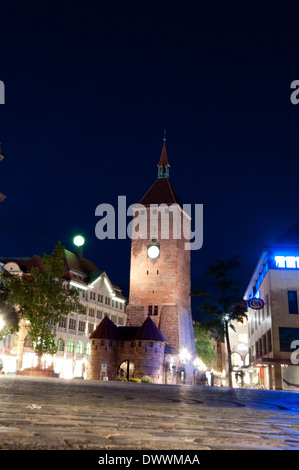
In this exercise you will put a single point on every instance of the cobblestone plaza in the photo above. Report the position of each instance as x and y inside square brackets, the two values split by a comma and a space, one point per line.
[55, 414]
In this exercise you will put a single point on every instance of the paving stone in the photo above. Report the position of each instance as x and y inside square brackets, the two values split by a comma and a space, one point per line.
[97, 415]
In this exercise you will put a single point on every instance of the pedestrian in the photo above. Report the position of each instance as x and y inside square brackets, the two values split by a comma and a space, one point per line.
[212, 379]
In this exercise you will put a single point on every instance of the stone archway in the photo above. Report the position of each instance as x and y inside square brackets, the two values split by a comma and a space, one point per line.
[126, 369]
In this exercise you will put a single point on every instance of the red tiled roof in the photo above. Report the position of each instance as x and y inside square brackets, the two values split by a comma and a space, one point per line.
[83, 265]
[25, 264]
[161, 192]
[72, 262]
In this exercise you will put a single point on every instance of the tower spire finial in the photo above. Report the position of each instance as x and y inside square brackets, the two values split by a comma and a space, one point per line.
[163, 165]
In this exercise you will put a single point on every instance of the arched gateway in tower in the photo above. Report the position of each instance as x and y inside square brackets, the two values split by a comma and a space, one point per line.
[159, 323]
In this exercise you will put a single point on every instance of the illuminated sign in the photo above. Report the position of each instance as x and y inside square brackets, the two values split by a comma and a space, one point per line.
[256, 304]
[287, 262]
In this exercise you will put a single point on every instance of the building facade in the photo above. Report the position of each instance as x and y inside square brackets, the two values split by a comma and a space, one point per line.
[273, 318]
[127, 352]
[159, 288]
[100, 297]
[239, 343]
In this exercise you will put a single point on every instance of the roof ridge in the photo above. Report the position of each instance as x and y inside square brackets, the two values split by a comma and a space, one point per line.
[171, 189]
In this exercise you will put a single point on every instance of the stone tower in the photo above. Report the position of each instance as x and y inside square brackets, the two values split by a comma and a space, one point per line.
[160, 268]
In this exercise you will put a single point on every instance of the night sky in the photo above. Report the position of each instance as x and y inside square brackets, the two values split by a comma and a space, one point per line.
[90, 88]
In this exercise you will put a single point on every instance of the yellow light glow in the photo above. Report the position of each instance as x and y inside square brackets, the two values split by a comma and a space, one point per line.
[199, 364]
[185, 356]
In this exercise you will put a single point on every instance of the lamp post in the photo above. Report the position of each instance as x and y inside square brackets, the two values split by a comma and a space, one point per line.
[226, 321]
[79, 241]
[185, 357]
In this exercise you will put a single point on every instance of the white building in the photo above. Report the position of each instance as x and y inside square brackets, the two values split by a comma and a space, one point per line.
[99, 296]
[274, 328]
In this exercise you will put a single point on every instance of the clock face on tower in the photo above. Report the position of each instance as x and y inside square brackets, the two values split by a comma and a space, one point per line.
[153, 251]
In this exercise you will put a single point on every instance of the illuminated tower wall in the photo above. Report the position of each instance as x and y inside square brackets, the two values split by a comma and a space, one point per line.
[160, 286]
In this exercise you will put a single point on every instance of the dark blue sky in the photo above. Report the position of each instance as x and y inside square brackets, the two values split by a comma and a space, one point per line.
[90, 86]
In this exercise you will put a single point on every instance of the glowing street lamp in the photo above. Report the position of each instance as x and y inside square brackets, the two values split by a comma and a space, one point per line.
[199, 364]
[185, 356]
[78, 240]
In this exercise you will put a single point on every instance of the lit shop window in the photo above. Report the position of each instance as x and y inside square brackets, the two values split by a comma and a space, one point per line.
[80, 348]
[70, 346]
[60, 345]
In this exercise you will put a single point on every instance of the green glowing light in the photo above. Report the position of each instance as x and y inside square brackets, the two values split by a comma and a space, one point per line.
[78, 240]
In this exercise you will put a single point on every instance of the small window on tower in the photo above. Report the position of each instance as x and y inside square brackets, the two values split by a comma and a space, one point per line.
[156, 310]
[150, 310]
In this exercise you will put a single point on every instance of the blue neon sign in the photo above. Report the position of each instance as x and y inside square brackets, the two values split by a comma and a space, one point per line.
[291, 262]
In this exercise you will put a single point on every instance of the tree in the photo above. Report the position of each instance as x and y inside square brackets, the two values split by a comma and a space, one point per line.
[203, 344]
[9, 318]
[222, 303]
[42, 300]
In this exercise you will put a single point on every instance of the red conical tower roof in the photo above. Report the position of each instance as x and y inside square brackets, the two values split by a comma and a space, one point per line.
[163, 158]
[149, 332]
[161, 192]
[105, 330]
